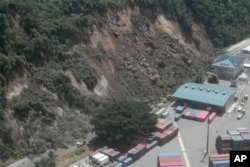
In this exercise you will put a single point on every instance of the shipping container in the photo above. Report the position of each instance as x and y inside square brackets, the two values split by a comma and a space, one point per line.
[179, 109]
[164, 114]
[169, 124]
[119, 164]
[151, 138]
[128, 161]
[162, 138]
[169, 160]
[211, 117]
[160, 127]
[160, 111]
[177, 117]
[103, 160]
[242, 130]
[221, 163]
[233, 132]
[97, 156]
[203, 116]
[151, 145]
[214, 159]
[134, 154]
[122, 157]
[93, 154]
[113, 155]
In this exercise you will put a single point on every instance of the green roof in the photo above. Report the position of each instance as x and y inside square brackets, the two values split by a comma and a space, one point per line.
[211, 94]
[229, 61]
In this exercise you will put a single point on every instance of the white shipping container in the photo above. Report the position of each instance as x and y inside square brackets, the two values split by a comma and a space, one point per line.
[160, 111]
[96, 157]
[103, 160]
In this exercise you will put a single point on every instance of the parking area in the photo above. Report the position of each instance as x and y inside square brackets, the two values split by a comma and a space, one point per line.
[194, 137]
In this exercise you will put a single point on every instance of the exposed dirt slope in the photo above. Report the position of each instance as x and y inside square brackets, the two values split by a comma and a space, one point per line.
[133, 56]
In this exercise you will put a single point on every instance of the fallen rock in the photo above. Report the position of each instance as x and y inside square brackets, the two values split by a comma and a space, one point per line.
[155, 77]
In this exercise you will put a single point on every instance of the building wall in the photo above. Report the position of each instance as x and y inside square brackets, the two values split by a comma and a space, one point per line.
[228, 73]
[197, 105]
[229, 103]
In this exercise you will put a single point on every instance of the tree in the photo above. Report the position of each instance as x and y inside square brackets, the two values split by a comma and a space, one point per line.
[213, 78]
[123, 121]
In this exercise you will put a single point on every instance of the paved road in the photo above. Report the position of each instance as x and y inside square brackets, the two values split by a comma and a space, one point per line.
[191, 142]
[236, 48]
[194, 135]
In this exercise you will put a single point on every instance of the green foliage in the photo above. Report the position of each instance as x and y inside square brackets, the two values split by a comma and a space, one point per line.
[86, 74]
[123, 121]
[6, 142]
[33, 104]
[46, 162]
[2, 97]
[51, 26]
[227, 21]
[56, 81]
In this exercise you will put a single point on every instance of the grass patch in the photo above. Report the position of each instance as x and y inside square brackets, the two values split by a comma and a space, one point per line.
[71, 155]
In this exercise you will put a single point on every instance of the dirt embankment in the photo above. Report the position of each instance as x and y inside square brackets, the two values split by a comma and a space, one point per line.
[144, 58]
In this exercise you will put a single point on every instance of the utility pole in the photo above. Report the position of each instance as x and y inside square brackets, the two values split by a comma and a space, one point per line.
[207, 142]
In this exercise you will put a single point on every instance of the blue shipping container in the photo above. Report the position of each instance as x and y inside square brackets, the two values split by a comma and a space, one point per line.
[177, 117]
[127, 161]
[119, 165]
[179, 109]
[121, 158]
[164, 114]
[169, 124]
[224, 163]
[169, 155]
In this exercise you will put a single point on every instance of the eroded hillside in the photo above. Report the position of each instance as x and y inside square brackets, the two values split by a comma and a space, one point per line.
[133, 53]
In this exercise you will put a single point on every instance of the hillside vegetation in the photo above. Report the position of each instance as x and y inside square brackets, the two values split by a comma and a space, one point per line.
[48, 41]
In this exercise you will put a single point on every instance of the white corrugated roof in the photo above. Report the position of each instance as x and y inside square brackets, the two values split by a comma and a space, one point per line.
[246, 49]
[247, 65]
[98, 156]
[243, 75]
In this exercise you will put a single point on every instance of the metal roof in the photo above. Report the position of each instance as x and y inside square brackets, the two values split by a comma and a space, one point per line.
[211, 94]
[229, 61]
[246, 49]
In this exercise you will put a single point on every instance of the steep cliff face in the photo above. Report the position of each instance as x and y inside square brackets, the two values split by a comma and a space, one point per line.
[130, 56]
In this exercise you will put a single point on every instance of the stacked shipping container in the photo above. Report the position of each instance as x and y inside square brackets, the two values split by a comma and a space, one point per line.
[233, 140]
[137, 152]
[169, 160]
[221, 160]
[196, 115]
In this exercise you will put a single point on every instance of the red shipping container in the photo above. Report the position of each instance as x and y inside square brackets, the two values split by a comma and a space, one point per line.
[175, 129]
[203, 116]
[160, 127]
[162, 138]
[140, 146]
[114, 155]
[168, 159]
[219, 157]
[108, 151]
[211, 117]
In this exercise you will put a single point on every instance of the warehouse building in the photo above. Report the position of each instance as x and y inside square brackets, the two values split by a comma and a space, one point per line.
[200, 96]
[228, 66]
